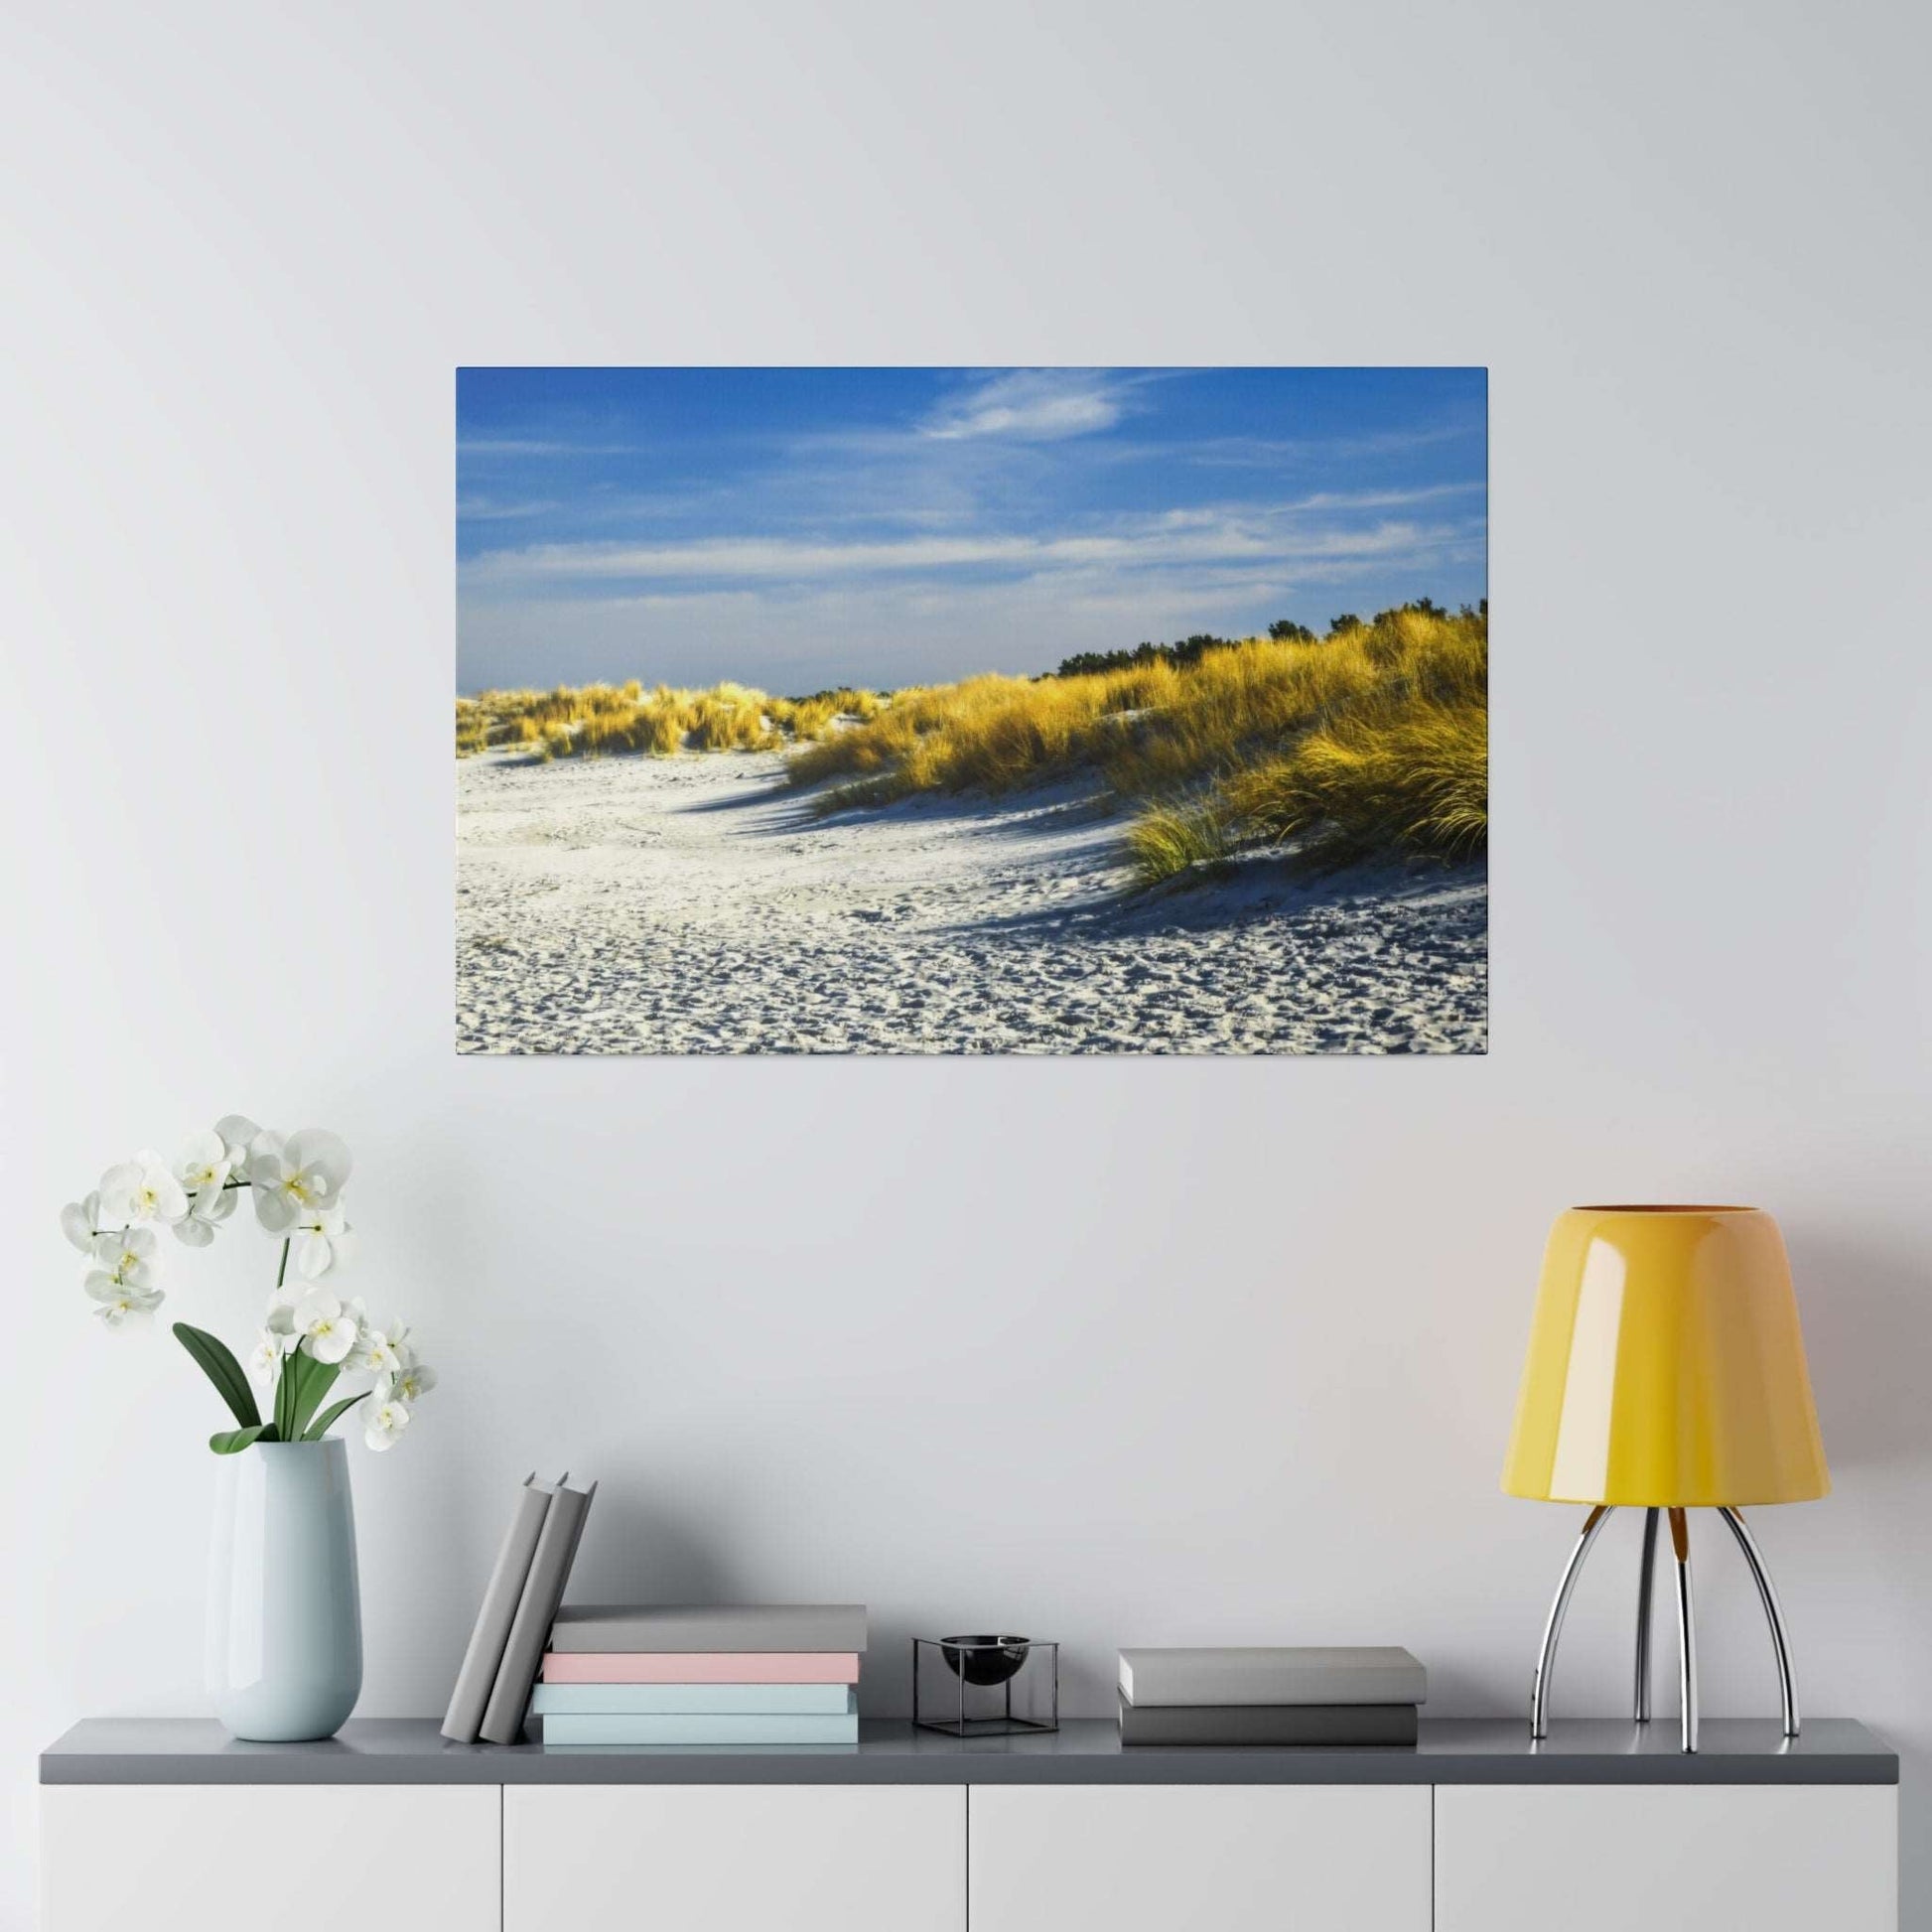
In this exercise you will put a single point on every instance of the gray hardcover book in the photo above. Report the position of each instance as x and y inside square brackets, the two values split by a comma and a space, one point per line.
[543, 1590]
[1268, 1723]
[1303, 1674]
[477, 1676]
[671, 1627]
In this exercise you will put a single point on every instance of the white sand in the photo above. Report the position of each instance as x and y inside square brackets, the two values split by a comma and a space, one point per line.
[694, 906]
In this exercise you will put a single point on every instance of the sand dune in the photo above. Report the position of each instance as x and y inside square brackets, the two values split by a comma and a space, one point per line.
[693, 905]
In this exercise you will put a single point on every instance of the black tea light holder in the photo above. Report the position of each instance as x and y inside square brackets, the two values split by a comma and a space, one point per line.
[985, 1686]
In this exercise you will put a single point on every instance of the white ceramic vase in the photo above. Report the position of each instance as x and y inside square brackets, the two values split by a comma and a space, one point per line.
[284, 1612]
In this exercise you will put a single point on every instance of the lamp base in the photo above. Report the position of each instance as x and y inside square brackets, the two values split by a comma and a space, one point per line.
[1687, 1665]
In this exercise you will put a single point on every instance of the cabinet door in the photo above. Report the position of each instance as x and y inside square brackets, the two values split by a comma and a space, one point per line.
[1204, 1858]
[1667, 1858]
[743, 1858]
[309, 1858]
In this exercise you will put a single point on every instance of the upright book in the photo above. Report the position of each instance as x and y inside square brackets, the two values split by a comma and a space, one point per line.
[1301, 1674]
[536, 1609]
[477, 1677]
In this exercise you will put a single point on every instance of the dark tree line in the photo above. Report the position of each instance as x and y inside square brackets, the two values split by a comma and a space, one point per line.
[1284, 630]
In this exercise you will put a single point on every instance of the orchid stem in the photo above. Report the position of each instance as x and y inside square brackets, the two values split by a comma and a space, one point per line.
[284, 1380]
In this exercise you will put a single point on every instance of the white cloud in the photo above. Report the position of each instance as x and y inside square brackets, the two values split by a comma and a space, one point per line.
[1384, 499]
[1276, 453]
[1254, 535]
[1032, 405]
[810, 633]
[484, 509]
[538, 446]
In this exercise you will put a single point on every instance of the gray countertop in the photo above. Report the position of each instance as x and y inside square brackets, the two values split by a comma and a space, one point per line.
[409, 1750]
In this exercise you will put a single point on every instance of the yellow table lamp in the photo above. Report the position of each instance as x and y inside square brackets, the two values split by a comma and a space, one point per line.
[1665, 1371]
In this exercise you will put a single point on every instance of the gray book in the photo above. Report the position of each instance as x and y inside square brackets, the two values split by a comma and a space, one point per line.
[477, 1677]
[1304, 1674]
[838, 1628]
[536, 1609]
[1268, 1723]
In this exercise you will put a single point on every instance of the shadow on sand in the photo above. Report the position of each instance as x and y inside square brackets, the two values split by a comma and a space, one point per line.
[1252, 887]
[1015, 814]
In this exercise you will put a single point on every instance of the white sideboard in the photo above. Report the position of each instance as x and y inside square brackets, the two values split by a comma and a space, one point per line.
[164, 1825]
[808, 1858]
[1156, 1857]
[185, 1858]
[1596, 1858]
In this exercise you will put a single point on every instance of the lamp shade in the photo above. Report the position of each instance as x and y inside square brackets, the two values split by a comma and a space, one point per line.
[1665, 1365]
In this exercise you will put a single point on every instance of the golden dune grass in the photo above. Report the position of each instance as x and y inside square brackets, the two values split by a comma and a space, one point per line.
[988, 733]
[1373, 740]
[595, 719]
[1165, 839]
[1414, 775]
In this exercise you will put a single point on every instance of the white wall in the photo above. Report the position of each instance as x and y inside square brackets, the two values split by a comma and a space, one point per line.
[1108, 1352]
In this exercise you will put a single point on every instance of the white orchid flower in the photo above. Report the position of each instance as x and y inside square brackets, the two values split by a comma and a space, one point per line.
[123, 1281]
[412, 1382]
[386, 1420]
[79, 1221]
[122, 1304]
[203, 1162]
[238, 1134]
[141, 1190]
[327, 1328]
[265, 1358]
[324, 1243]
[210, 1209]
[127, 1257]
[279, 1320]
[382, 1353]
[203, 1170]
[291, 1179]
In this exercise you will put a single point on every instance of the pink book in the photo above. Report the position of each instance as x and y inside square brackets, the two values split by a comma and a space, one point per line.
[699, 1667]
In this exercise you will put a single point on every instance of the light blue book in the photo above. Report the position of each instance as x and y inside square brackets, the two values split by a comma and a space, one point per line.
[742, 1728]
[694, 1700]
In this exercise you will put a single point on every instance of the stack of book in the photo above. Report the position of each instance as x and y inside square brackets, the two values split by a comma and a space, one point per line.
[1298, 1696]
[741, 1674]
[493, 1688]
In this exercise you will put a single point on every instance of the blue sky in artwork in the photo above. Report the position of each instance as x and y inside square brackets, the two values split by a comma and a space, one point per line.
[801, 529]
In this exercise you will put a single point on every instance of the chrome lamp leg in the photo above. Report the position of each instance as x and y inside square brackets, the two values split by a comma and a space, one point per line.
[1646, 1573]
[1552, 1629]
[1687, 1642]
[1687, 1636]
[1768, 1597]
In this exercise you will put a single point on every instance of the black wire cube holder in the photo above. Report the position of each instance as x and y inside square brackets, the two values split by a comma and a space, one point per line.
[985, 1687]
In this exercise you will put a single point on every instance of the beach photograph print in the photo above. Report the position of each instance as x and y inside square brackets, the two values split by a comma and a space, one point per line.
[972, 711]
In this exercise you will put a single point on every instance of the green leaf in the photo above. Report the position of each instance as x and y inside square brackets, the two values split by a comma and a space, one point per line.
[334, 1413]
[232, 1441]
[286, 1386]
[303, 1383]
[313, 1381]
[218, 1364]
